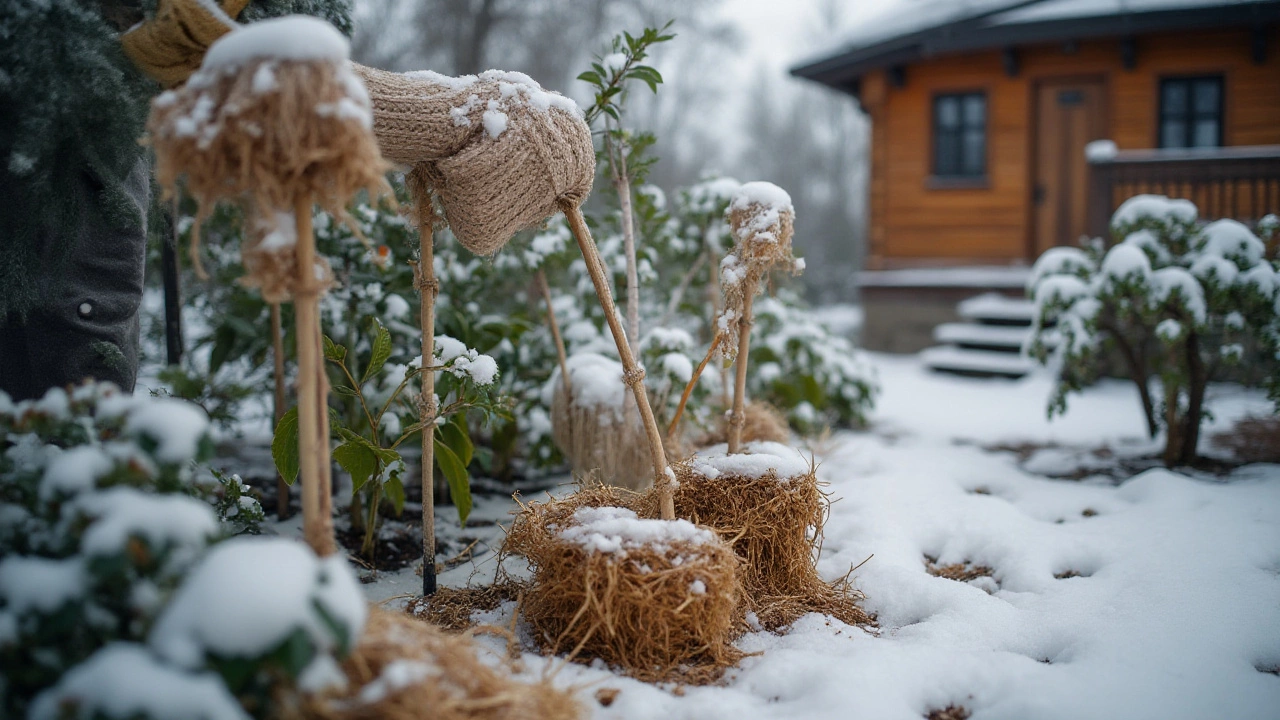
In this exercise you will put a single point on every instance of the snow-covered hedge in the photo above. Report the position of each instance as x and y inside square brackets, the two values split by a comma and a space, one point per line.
[1175, 299]
[112, 604]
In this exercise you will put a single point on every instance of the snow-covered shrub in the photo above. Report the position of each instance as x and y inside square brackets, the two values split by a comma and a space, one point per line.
[1173, 298]
[817, 377]
[111, 601]
[99, 524]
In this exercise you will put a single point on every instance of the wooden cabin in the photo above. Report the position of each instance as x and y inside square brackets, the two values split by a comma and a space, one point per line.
[981, 113]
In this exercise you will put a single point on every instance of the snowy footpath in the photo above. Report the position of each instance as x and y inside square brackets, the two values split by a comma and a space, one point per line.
[1113, 595]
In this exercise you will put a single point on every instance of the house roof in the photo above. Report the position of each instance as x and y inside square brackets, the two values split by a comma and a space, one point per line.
[901, 31]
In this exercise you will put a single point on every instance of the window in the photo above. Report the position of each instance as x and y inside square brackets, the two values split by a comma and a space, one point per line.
[960, 135]
[1191, 112]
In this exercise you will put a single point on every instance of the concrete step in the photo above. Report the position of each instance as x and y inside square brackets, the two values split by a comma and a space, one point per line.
[976, 363]
[995, 309]
[1006, 338]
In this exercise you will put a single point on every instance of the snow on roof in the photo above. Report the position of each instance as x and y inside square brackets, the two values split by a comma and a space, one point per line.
[897, 24]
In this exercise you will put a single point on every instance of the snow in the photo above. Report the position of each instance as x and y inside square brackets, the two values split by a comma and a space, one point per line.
[264, 79]
[614, 61]
[758, 460]
[1059, 261]
[995, 307]
[182, 524]
[293, 37]
[596, 381]
[39, 584]
[764, 194]
[1170, 281]
[1153, 207]
[462, 361]
[176, 426]
[1125, 263]
[1262, 278]
[1100, 150]
[248, 594]
[1232, 240]
[1059, 290]
[495, 121]
[396, 676]
[1169, 330]
[1211, 268]
[73, 471]
[282, 232]
[613, 530]
[123, 680]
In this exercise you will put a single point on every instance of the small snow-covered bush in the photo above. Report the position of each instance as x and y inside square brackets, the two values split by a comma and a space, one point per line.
[104, 529]
[1173, 298]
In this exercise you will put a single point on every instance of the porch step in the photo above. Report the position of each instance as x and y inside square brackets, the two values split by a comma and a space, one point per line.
[1000, 338]
[995, 309]
[976, 363]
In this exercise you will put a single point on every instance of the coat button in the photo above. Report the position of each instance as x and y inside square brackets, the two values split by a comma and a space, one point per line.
[85, 310]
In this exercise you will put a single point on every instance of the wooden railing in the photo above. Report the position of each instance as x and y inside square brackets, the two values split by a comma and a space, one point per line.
[1230, 182]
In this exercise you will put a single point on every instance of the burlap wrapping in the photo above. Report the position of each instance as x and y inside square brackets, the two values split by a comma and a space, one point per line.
[499, 151]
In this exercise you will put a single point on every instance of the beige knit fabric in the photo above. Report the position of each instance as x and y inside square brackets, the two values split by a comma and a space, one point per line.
[500, 151]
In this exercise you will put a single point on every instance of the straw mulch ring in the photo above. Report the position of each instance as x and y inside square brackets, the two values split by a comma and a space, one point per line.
[593, 426]
[405, 669]
[659, 599]
[767, 504]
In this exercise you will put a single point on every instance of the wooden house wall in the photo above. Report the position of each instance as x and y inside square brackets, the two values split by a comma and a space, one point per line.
[913, 224]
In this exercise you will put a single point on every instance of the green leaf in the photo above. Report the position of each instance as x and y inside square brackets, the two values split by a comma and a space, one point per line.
[455, 434]
[590, 76]
[358, 460]
[381, 351]
[224, 339]
[650, 76]
[344, 390]
[333, 352]
[395, 491]
[456, 474]
[284, 446]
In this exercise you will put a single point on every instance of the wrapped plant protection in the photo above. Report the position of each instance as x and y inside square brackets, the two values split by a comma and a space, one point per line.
[404, 668]
[591, 424]
[658, 598]
[275, 117]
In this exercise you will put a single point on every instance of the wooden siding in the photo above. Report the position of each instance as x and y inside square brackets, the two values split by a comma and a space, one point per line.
[913, 223]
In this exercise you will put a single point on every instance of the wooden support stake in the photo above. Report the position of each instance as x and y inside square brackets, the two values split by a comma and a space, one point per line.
[633, 376]
[428, 288]
[313, 411]
[739, 416]
[277, 356]
[561, 355]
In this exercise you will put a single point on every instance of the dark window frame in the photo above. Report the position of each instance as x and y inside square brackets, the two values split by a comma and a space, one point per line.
[1189, 116]
[958, 176]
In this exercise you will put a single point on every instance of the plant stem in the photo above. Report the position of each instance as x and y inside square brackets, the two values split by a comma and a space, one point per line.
[739, 417]
[633, 375]
[313, 420]
[622, 184]
[279, 400]
[428, 288]
[561, 355]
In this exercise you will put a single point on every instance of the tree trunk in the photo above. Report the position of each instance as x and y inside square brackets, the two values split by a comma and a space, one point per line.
[1197, 381]
[1136, 362]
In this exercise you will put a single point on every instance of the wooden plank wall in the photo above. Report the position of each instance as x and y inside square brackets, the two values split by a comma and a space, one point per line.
[913, 225]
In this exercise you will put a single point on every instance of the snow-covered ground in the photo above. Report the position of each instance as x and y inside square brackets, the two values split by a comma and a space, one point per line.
[1155, 596]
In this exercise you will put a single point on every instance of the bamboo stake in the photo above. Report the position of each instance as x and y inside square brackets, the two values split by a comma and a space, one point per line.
[313, 446]
[428, 288]
[688, 388]
[739, 417]
[633, 375]
[561, 355]
[277, 356]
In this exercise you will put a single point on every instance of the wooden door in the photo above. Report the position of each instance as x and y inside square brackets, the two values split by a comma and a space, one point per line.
[1069, 115]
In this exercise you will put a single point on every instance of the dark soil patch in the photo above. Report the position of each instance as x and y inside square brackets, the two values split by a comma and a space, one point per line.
[394, 548]
[960, 572]
[950, 712]
[1269, 669]
[1065, 574]
[1252, 440]
[1088, 512]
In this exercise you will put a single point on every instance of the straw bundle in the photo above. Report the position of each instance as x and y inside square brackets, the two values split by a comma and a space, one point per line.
[404, 669]
[767, 505]
[271, 263]
[276, 120]
[269, 130]
[763, 422]
[592, 427]
[659, 599]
